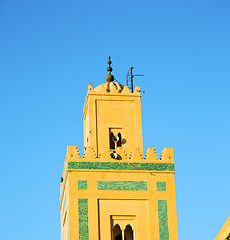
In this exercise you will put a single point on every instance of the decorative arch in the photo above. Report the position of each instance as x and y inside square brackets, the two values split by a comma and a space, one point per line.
[119, 141]
[128, 232]
[117, 233]
[111, 142]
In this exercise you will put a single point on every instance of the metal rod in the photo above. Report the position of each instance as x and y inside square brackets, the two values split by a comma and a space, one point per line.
[131, 76]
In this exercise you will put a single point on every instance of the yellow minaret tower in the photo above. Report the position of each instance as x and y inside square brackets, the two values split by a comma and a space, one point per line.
[114, 192]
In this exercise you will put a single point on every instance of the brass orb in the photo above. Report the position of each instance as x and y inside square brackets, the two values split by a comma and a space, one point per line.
[109, 69]
[109, 78]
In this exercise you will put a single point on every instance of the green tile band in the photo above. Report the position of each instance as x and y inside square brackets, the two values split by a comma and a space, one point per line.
[163, 220]
[132, 166]
[83, 219]
[161, 186]
[122, 185]
[82, 184]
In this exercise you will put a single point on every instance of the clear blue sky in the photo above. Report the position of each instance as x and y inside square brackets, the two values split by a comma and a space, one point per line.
[51, 50]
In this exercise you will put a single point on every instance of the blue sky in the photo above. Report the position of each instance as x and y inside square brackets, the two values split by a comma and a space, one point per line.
[51, 50]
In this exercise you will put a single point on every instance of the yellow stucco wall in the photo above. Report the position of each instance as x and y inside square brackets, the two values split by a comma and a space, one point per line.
[224, 233]
[98, 192]
[117, 110]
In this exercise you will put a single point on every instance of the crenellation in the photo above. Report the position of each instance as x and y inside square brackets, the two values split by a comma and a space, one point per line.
[167, 155]
[105, 154]
[126, 90]
[122, 154]
[113, 88]
[73, 154]
[137, 90]
[90, 88]
[151, 154]
[90, 153]
[136, 154]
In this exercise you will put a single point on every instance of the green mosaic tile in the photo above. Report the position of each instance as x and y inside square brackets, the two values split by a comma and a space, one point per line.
[163, 220]
[82, 184]
[122, 166]
[122, 185]
[161, 186]
[83, 219]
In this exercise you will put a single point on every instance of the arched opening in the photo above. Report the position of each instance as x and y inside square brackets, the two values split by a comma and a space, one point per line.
[128, 233]
[119, 141]
[117, 233]
[111, 142]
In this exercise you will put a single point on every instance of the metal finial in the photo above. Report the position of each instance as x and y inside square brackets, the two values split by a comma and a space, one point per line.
[109, 77]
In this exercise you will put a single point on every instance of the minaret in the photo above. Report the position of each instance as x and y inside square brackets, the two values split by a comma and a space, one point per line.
[111, 110]
[115, 192]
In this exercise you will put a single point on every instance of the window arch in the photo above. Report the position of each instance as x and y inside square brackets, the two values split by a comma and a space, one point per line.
[119, 141]
[117, 233]
[111, 142]
[128, 233]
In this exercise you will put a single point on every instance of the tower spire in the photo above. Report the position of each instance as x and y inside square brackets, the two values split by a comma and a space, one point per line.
[109, 77]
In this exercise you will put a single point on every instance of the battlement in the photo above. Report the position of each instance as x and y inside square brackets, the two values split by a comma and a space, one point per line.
[112, 88]
[73, 155]
[136, 155]
[133, 161]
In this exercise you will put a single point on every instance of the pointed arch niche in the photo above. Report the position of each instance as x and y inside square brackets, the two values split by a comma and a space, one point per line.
[129, 232]
[117, 233]
[122, 227]
[115, 132]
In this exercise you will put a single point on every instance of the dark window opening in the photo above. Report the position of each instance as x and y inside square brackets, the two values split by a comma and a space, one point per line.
[111, 142]
[118, 237]
[119, 141]
[117, 234]
[128, 233]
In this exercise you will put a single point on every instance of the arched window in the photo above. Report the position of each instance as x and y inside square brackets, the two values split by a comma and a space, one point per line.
[117, 234]
[111, 142]
[128, 232]
[119, 141]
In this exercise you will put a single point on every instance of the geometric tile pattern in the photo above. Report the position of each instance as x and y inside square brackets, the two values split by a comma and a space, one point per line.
[161, 186]
[163, 220]
[122, 166]
[122, 185]
[82, 184]
[83, 219]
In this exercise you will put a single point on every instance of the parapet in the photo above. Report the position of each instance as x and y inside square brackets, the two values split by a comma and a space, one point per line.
[73, 155]
[133, 161]
[112, 88]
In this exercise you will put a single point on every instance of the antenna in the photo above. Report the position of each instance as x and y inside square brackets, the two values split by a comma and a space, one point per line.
[130, 77]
